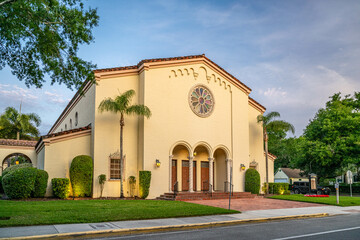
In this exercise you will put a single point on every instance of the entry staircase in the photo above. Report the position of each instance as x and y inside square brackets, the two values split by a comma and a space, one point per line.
[182, 196]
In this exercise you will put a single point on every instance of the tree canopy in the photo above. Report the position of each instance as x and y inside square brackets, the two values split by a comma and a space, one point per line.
[42, 37]
[17, 125]
[332, 138]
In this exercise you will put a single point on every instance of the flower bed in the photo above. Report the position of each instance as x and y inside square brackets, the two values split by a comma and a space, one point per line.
[314, 195]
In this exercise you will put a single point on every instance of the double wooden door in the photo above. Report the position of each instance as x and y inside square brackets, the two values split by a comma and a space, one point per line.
[185, 175]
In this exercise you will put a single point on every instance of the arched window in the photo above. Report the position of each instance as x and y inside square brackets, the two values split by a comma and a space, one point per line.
[70, 123]
[14, 159]
[76, 119]
[65, 127]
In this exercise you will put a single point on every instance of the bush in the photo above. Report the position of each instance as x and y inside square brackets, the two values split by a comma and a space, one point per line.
[278, 188]
[40, 183]
[1, 187]
[252, 181]
[9, 169]
[144, 183]
[61, 187]
[345, 188]
[19, 183]
[81, 176]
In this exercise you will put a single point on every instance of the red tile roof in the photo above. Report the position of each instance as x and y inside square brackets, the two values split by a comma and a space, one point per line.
[14, 142]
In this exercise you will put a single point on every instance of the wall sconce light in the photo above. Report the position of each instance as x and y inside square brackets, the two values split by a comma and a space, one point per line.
[158, 163]
[17, 162]
[242, 166]
[195, 154]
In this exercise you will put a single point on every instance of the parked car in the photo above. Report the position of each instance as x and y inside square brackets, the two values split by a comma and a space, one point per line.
[303, 188]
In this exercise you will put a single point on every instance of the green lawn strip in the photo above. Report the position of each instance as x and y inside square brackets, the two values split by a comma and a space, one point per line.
[344, 201]
[24, 213]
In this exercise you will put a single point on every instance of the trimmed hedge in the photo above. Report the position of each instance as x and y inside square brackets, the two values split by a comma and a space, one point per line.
[252, 181]
[19, 183]
[9, 169]
[1, 187]
[40, 184]
[279, 188]
[345, 188]
[144, 183]
[81, 176]
[61, 187]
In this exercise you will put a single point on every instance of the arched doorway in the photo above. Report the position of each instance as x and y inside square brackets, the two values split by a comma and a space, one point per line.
[14, 159]
[201, 161]
[180, 156]
[220, 170]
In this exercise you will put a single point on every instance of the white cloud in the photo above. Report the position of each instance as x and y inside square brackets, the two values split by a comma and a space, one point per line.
[56, 98]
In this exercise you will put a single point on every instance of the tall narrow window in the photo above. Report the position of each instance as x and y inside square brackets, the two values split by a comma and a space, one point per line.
[70, 123]
[76, 119]
[65, 127]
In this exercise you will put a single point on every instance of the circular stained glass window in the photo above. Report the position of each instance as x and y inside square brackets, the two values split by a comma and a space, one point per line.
[201, 101]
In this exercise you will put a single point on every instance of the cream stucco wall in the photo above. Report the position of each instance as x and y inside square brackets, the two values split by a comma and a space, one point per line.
[59, 153]
[7, 150]
[85, 109]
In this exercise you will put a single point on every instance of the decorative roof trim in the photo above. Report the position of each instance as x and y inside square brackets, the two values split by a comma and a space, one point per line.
[61, 136]
[17, 143]
[271, 156]
[256, 105]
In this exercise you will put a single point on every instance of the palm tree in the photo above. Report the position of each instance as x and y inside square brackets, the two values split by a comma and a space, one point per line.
[268, 122]
[121, 104]
[14, 124]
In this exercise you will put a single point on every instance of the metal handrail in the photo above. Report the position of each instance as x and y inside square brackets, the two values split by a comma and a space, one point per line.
[176, 190]
[210, 189]
[228, 186]
[204, 182]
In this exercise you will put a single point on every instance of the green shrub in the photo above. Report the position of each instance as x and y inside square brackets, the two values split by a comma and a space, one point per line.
[252, 181]
[81, 175]
[102, 180]
[9, 169]
[345, 188]
[279, 188]
[19, 183]
[1, 187]
[61, 187]
[40, 183]
[144, 183]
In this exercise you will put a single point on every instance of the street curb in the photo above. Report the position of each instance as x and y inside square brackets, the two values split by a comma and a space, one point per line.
[132, 231]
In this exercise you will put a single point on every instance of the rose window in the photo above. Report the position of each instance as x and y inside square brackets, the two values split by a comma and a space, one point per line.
[201, 101]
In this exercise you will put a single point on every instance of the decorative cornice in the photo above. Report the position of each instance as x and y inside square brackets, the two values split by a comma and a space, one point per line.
[256, 105]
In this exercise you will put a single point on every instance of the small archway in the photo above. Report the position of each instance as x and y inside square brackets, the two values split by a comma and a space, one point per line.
[220, 170]
[15, 158]
[179, 164]
[203, 168]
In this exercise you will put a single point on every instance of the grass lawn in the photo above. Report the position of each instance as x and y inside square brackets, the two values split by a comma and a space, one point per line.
[84, 211]
[343, 201]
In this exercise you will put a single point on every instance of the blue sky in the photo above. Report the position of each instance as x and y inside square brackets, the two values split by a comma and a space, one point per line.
[292, 54]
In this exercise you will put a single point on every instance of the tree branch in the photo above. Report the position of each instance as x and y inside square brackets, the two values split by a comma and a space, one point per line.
[6, 2]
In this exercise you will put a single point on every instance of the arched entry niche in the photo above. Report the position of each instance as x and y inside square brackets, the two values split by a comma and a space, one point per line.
[201, 161]
[20, 157]
[220, 169]
[180, 154]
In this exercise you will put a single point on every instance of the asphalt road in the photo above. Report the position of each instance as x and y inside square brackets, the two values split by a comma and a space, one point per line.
[335, 227]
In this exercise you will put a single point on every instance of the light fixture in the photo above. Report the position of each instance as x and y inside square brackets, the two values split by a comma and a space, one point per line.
[242, 166]
[195, 153]
[17, 162]
[158, 162]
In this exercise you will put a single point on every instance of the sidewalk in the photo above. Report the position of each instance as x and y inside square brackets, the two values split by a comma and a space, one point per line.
[127, 227]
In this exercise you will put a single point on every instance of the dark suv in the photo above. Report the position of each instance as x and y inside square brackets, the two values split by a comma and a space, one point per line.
[303, 187]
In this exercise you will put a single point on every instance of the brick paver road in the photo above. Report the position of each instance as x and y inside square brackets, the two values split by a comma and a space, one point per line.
[254, 204]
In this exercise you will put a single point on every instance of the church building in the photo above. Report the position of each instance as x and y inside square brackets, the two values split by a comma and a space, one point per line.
[203, 132]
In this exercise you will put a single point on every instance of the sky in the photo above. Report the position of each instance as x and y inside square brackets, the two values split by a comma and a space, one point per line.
[293, 54]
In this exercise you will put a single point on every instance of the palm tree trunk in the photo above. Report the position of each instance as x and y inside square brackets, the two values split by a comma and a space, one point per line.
[266, 161]
[17, 135]
[121, 155]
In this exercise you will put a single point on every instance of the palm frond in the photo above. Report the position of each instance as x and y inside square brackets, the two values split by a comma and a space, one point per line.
[278, 125]
[124, 99]
[108, 105]
[139, 110]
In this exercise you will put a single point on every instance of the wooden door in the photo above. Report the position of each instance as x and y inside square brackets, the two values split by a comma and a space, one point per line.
[185, 175]
[205, 176]
[194, 176]
[173, 174]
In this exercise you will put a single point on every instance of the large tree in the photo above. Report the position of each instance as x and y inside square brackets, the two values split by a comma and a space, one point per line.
[17, 125]
[332, 138]
[269, 123]
[39, 37]
[121, 105]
